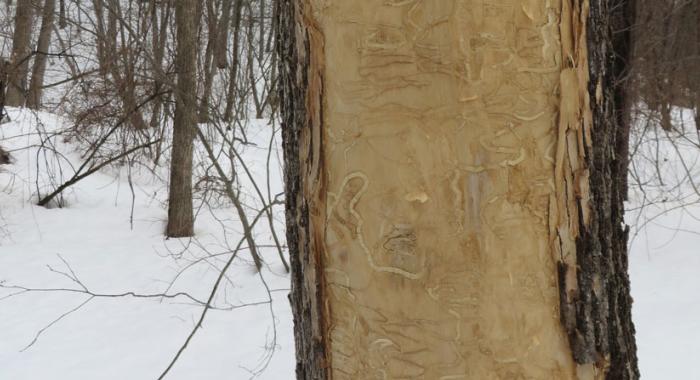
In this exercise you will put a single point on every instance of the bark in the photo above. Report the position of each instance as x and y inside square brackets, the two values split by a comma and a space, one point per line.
[180, 214]
[261, 32]
[605, 238]
[251, 57]
[455, 178]
[62, 21]
[37, 82]
[19, 66]
[222, 38]
[233, 73]
[4, 67]
[301, 101]
[4, 156]
[159, 40]
[208, 62]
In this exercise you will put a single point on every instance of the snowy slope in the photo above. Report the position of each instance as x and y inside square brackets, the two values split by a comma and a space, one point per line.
[135, 338]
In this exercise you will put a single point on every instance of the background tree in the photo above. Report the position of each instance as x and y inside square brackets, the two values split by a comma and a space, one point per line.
[180, 215]
[454, 175]
[42, 51]
[4, 156]
[21, 50]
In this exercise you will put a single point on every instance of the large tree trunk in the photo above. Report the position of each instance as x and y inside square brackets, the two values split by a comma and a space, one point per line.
[180, 215]
[19, 61]
[37, 82]
[455, 172]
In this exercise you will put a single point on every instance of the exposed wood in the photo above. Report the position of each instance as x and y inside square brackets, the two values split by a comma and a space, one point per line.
[455, 176]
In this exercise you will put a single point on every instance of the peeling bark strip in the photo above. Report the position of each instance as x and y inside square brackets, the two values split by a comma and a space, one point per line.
[301, 88]
[595, 290]
[454, 197]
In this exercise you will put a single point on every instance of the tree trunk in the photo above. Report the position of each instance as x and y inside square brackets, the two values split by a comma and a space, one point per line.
[62, 21]
[4, 67]
[233, 73]
[455, 177]
[208, 62]
[221, 48]
[180, 215]
[159, 40]
[37, 82]
[116, 63]
[19, 66]
[4, 156]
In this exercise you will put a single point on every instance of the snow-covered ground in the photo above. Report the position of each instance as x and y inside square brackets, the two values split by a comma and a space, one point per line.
[665, 248]
[54, 334]
[130, 338]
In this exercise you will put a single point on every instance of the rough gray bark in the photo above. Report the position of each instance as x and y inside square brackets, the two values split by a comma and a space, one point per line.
[39, 69]
[603, 321]
[180, 215]
[19, 60]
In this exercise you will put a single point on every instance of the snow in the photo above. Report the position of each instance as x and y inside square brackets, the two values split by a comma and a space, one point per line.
[129, 338]
[136, 338]
[665, 250]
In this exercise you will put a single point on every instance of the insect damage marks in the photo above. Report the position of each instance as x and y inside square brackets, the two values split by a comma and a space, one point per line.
[587, 237]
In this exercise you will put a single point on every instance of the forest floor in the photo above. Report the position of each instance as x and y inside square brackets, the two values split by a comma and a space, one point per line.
[108, 241]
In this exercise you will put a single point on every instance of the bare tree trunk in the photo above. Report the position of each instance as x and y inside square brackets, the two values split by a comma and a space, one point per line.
[159, 40]
[4, 156]
[250, 69]
[208, 62]
[455, 178]
[62, 22]
[261, 33]
[19, 66]
[116, 64]
[37, 81]
[222, 38]
[231, 93]
[180, 215]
